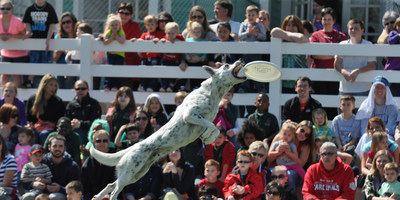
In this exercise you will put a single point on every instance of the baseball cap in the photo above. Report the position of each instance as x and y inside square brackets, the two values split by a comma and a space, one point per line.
[36, 148]
[381, 80]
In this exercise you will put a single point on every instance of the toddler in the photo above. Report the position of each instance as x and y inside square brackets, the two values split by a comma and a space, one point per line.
[23, 148]
[211, 172]
[74, 56]
[172, 59]
[196, 34]
[150, 58]
[391, 186]
[320, 126]
[113, 32]
[287, 133]
[379, 141]
[74, 190]
[243, 182]
[132, 134]
[156, 110]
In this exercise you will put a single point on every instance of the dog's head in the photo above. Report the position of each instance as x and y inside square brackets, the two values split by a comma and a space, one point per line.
[228, 73]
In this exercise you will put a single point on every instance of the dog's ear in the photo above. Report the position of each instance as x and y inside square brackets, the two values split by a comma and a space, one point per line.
[209, 70]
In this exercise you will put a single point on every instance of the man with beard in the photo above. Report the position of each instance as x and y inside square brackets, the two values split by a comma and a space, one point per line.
[73, 140]
[62, 167]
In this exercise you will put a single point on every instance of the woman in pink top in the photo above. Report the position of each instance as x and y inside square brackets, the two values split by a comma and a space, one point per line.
[11, 27]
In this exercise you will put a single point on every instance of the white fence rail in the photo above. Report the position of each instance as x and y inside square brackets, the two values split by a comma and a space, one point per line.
[275, 48]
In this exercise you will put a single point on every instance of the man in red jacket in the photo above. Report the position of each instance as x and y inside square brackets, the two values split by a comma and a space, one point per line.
[330, 178]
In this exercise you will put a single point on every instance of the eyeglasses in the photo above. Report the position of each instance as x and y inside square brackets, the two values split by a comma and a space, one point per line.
[273, 192]
[197, 17]
[14, 116]
[304, 131]
[386, 24]
[102, 141]
[327, 154]
[124, 13]
[6, 8]
[280, 176]
[257, 154]
[66, 22]
[243, 161]
[141, 118]
[81, 89]
[163, 20]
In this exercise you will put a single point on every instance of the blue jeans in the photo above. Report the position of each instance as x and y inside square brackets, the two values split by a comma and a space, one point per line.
[113, 59]
[150, 82]
[40, 57]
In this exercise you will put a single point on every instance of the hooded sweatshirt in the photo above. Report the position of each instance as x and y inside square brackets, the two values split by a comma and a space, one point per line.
[335, 184]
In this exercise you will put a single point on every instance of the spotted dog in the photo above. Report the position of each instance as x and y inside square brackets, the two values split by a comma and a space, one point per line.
[192, 119]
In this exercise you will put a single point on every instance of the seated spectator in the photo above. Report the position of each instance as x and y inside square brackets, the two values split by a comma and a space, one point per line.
[155, 108]
[98, 124]
[208, 192]
[8, 171]
[346, 157]
[320, 120]
[259, 151]
[8, 127]
[391, 186]
[248, 133]
[330, 178]
[376, 175]
[274, 191]
[147, 187]
[74, 190]
[132, 134]
[375, 124]
[279, 175]
[10, 96]
[211, 173]
[388, 20]
[379, 103]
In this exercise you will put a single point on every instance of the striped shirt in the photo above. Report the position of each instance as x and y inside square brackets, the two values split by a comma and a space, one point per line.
[9, 164]
[31, 172]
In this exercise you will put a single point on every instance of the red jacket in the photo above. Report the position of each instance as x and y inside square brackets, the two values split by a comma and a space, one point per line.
[174, 56]
[151, 36]
[252, 186]
[228, 154]
[326, 37]
[218, 184]
[336, 184]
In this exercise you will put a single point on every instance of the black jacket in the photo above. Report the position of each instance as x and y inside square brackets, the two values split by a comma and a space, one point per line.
[86, 111]
[291, 110]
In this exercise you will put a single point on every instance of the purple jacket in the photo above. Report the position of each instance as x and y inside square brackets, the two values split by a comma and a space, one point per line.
[393, 63]
[21, 108]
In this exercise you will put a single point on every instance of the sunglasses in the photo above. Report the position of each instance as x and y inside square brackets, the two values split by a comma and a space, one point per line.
[66, 22]
[280, 176]
[257, 154]
[197, 17]
[327, 154]
[163, 21]
[102, 141]
[14, 116]
[81, 89]
[273, 192]
[141, 118]
[386, 24]
[6, 8]
[124, 13]
[304, 131]
[243, 161]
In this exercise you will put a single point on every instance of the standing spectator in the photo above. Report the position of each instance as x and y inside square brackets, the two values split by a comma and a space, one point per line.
[62, 167]
[318, 5]
[379, 103]
[82, 110]
[223, 12]
[66, 29]
[351, 66]
[388, 20]
[198, 14]
[10, 92]
[8, 127]
[300, 107]
[40, 19]
[163, 19]
[291, 31]
[8, 169]
[265, 18]
[11, 27]
[326, 35]
[45, 108]
[393, 63]
[330, 178]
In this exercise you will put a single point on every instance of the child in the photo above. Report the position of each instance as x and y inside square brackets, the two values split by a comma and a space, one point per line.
[379, 141]
[222, 151]
[224, 35]
[263, 118]
[345, 127]
[156, 110]
[42, 197]
[40, 19]
[279, 174]
[211, 172]
[150, 58]
[391, 185]
[23, 148]
[196, 34]
[36, 173]
[131, 131]
[320, 120]
[248, 133]
[251, 31]
[208, 192]
[274, 191]
[113, 32]
[121, 111]
[178, 99]
[243, 182]
[287, 134]
[74, 190]
[74, 56]
[172, 59]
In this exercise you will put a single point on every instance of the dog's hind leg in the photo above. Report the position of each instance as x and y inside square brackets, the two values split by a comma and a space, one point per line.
[110, 187]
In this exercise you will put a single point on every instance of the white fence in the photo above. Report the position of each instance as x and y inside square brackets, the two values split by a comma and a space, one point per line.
[275, 48]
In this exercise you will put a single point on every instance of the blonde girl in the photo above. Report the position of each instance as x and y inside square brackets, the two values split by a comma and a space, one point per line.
[379, 141]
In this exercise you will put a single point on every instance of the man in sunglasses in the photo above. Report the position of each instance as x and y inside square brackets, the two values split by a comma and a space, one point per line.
[73, 140]
[330, 178]
[279, 174]
[388, 20]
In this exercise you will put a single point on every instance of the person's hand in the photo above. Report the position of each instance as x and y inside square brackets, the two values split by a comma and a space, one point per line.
[170, 167]
[5, 36]
[84, 151]
[75, 123]
[354, 74]
[133, 39]
[231, 198]
[283, 147]
[155, 40]
[223, 103]
[39, 185]
[346, 75]
[101, 37]
[255, 31]
[27, 35]
[153, 122]
[54, 187]
[230, 133]
[163, 40]
[394, 196]
[47, 45]
[108, 116]
[238, 189]
[145, 198]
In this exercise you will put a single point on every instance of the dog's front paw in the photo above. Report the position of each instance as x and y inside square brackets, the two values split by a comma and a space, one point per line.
[211, 137]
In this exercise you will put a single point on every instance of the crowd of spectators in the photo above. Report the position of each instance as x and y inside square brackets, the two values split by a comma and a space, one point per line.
[44, 145]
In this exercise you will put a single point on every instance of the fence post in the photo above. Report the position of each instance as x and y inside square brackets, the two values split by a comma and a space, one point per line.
[275, 86]
[86, 57]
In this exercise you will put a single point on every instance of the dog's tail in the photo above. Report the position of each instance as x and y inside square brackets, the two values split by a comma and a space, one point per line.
[109, 159]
